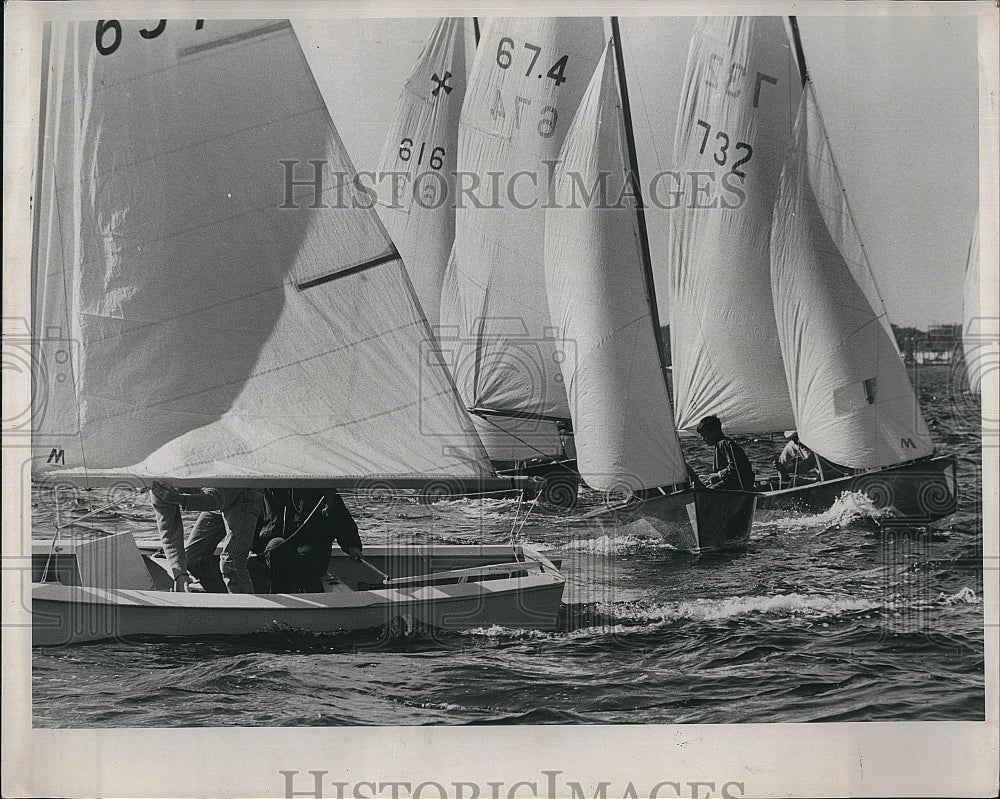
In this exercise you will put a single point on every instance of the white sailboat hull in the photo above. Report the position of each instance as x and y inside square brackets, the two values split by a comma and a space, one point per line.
[447, 588]
[693, 520]
[914, 493]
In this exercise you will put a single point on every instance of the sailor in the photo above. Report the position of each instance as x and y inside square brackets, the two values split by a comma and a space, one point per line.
[228, 515]
[797, 460]
[732, 468]
[297, 535]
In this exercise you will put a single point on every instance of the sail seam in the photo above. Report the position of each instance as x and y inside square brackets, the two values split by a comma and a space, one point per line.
[252, 376]
[337, 425]
[234, 38]
[392, 255]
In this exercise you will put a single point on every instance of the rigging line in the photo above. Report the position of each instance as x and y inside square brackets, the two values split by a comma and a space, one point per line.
[100, 509]
[55, 538]
[645, 108]
[517, 511]
[531, 507]
[810, 89]
[640, 205]
[60, 526]
[515, 437]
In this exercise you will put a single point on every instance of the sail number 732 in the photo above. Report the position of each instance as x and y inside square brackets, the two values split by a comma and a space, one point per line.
[721, 149]
[505, 57]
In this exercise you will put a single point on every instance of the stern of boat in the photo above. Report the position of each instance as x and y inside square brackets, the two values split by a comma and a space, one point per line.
[691, 520]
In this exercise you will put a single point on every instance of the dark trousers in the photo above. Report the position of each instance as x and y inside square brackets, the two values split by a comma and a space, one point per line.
[296, 569]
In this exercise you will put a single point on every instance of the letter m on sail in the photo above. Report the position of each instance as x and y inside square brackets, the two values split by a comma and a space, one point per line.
[57, 456]
[907, 443]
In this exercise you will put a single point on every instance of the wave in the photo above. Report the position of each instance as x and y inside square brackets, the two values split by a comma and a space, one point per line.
[848, 508]
[614, 544]
[807, 605]
[966, 596]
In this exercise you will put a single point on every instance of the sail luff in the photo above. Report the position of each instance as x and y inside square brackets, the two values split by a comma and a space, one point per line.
[852, 247]
[800, 53]
[636, 183]
[201, 200]
[853, 401]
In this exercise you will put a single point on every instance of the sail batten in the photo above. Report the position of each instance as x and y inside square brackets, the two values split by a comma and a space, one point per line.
[213, 311]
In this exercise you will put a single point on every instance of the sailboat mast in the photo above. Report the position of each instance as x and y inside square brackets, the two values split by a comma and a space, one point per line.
[799, 52]
[640, 211]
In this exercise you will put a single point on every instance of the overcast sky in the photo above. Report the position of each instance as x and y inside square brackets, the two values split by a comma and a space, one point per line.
[899, 96]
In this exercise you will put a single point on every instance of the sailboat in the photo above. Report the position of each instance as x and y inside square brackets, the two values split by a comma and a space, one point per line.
[600, 290]
[776, 319]
[526, 83]
[221, 307]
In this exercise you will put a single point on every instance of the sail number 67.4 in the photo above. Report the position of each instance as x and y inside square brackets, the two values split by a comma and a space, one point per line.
[505, 57]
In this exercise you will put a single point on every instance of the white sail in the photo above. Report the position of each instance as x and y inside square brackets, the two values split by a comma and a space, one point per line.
[740, 94]
[526, 83]
[226, 323]
[972, 330]
[505, 438]
[853, 400]
[416, 186]
[622, 418]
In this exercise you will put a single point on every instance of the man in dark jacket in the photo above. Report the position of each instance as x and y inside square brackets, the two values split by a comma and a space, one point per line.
[732, 469]
[297, 535]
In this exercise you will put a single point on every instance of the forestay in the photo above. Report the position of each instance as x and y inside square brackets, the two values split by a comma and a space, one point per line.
[740, 93]
[234, 308]
[526, 83]
[853, 401]
[597, 293]
[416, 175]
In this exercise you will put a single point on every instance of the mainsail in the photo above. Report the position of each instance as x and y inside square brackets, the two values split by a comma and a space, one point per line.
[416, 187]
[740, 93]
[853, 400]
[526, 83]
[235, 308]
[597, 293]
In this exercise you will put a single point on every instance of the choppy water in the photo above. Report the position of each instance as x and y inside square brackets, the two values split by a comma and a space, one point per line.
[824, 618]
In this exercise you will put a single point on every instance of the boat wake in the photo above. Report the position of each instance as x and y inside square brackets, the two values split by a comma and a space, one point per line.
[849, 508]
[616, 544]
